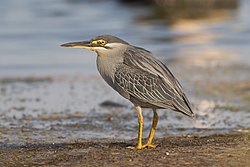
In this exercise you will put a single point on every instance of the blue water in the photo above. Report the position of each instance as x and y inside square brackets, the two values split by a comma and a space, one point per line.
[31, 33]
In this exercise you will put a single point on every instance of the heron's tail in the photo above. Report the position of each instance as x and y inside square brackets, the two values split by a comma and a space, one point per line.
[182, 105]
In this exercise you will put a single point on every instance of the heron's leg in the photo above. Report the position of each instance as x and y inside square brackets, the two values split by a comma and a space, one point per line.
[140, 121]
[152, 131]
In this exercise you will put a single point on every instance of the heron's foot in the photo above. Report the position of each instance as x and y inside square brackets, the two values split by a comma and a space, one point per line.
[149, 145]
[139, 147]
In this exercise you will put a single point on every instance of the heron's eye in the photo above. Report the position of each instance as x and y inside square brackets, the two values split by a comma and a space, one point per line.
[101, 42]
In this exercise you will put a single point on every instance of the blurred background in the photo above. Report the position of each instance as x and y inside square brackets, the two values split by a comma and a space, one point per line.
[44, 87]
[204, 33]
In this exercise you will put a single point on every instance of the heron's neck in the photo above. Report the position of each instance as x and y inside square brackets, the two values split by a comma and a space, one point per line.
[106, 66]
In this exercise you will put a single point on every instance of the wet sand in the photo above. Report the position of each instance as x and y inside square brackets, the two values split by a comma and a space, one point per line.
[190, 150]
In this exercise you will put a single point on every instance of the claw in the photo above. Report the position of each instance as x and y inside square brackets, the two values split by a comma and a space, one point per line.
[135, 148]
[149, 145]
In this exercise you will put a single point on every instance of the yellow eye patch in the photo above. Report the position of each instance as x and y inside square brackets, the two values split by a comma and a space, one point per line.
[100, 42]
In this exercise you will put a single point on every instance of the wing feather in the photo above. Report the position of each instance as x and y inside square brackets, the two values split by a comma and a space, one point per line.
[151, 81]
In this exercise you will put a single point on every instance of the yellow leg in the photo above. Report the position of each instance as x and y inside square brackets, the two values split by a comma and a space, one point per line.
[140, 121]
[152, 131]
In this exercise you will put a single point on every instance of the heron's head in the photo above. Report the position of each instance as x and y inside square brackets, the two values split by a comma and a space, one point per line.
[100, 44]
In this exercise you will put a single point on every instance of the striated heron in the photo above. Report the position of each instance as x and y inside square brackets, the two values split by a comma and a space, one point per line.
[137, 76]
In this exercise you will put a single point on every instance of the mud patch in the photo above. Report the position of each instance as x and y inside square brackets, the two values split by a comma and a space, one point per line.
[191, 150]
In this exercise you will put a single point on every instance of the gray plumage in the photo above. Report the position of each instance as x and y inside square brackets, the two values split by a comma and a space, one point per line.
[149, 82]
[110, 39]
[141, 78]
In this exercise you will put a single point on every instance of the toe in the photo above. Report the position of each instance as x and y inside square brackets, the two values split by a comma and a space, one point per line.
[149, 145]
[135, 148]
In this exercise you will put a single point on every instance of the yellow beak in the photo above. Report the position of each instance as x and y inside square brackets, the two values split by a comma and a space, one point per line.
[81, 44]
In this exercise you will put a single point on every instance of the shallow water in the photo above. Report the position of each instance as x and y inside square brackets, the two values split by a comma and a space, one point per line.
[48, 93]
[31, 32]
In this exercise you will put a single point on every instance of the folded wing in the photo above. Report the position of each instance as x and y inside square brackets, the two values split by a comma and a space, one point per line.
[148, 80]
